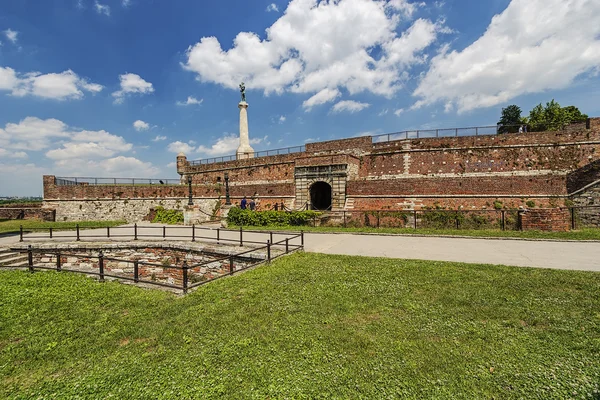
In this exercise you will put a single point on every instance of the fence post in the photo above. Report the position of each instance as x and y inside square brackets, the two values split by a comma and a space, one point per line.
[241, 238]
[164, 231]
[287, 245]
[21, 233]
[572, 218]
[101, 265]
[30, 258]
[77, 227]
[378, 217]
[58, 264]
[50, 232]
[268, 251]
[193, 232]
[136, 271]
[135, 231]
[457, 221]
[344, 219]
[218, 235]
[503, 220]
[271, 236]
[302, 239]
[185, 276]
[108, 231]
[415, 218]
[230, 265]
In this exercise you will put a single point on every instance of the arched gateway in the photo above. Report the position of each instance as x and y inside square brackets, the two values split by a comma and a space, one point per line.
[320, 196]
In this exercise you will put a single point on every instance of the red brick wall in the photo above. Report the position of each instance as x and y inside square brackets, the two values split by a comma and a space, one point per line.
[362, 143]
[27, 213]
[452, 203]
[554, 219]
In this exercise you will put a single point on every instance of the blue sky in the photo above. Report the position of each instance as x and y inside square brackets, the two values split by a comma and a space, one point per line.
[119, 87]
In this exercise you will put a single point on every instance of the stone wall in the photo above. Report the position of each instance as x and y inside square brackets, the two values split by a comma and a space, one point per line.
[550, 219]
[587, 203]
[133, 210]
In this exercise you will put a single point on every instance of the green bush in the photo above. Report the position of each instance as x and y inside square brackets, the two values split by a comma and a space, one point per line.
[171, 217]
[530, 204]
[240, 217]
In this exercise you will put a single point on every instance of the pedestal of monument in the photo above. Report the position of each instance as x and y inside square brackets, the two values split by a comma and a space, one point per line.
[244, 150]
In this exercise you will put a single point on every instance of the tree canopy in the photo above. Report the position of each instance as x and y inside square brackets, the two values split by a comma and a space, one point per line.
[552, 117]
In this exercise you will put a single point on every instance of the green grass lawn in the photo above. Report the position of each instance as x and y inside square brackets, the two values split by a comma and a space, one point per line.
[581, 234]
[307, 326]
[13, 225]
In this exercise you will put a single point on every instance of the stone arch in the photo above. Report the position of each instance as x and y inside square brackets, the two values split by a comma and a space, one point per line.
[320, 194]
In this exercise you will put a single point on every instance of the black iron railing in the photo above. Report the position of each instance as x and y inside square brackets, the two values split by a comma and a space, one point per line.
[89, 181]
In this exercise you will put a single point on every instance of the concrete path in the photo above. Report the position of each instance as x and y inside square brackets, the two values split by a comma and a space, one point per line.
[543, 254]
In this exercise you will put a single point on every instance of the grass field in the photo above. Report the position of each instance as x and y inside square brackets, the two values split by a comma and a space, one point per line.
[13, 225]
[307, 326]
[581, 234]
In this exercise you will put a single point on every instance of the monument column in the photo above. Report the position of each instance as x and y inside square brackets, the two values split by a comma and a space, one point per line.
[244, 150]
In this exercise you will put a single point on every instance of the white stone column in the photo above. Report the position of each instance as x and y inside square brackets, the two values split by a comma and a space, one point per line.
[244, 151]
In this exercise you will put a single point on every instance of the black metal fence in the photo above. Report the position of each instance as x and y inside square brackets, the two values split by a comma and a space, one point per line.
[505, 220]
[92, 181]
[180, 274]
[135, 232]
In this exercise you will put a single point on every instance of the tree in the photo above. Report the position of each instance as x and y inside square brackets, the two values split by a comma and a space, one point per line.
[574, 115]
[537, 120]
[511, 115]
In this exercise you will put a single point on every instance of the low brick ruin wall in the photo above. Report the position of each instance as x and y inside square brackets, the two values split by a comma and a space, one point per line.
[27, 213]
[546, 219]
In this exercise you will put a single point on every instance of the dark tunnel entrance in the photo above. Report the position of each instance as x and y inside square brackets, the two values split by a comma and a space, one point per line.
[320, 196]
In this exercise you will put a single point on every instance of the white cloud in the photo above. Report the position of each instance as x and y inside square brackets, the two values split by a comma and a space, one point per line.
[383, 112]
[11, 35]
[180, 147]
[132, 84]
[516, 55]
[63, 86]
[89, 145]
[140, 125]
[398, 112]
[349, 105]
[172, 164]
[324, 96]
[115, 166]
[126, 3]
[272, 7]
[159, 138]
[282, 119]
[21, 179]
[226, 145]
[12, 154]
[102, 9]
[190, 101]
[314, 46]
[32, 133]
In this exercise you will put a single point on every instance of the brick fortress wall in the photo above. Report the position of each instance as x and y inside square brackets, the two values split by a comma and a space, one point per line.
[453, 172]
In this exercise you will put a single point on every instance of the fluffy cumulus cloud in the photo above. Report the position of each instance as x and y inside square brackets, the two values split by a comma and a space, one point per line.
[33, 134]
[159, 138]
[324, 96]
[12, 154]
[114, 166]
[312, 48]
[140, 125]
[132, 84]
[350, 106]
[191, 101]
[272, 7]
[11, 35]
[59, 86]
[102, 9]
[533, 46]
[225, 145]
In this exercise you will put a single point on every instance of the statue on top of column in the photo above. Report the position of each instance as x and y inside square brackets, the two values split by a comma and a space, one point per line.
[243, 91]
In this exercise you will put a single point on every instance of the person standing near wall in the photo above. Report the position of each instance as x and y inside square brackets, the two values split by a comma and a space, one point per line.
[252, 204]
[243, 203]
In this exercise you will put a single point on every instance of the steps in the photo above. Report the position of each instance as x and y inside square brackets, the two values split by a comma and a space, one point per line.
[349, 203]
[9, 258]
[290, 203]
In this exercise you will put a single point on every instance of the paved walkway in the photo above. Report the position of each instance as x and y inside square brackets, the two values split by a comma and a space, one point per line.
[543, 254]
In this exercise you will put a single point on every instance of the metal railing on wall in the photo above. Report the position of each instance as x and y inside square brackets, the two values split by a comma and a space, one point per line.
[263, 153]
[92, 181]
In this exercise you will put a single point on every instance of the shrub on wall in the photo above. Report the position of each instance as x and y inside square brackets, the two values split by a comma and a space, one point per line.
[171, 217]
[240, 217]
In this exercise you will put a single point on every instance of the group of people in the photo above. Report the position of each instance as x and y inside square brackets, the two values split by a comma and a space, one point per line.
[245, 204]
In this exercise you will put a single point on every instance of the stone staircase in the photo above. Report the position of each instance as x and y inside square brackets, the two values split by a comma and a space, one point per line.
[349, 203]
[10, 258]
